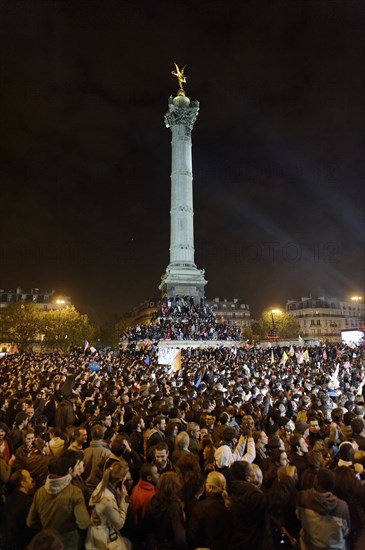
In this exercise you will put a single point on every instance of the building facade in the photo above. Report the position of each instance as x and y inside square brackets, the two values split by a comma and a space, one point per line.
[324, 318]
[231, 311]
[44, 300]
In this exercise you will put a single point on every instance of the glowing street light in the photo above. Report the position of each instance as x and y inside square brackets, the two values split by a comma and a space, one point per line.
[274, 330]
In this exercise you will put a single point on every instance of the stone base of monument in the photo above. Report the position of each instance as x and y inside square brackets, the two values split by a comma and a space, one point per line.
[183, 281]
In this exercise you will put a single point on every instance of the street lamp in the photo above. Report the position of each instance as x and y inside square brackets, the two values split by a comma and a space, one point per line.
[273, 330]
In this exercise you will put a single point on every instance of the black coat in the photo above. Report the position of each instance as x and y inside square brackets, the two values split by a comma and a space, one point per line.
[210, 523]
[65, 414]
[250, 521]
[165, 524]
[16, 533]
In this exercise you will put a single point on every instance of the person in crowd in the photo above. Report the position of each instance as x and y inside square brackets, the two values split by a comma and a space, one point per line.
[60, 505]
[41, 427]
[5, 445]
[207, 455]
[258, 475]
[171, 431]
[336, 435]
[165, 522]
[193, 430]
[37, 461]
[94, 458]
[250, 527]
[15, 436]
[65, 414]
[351, 490]
[105, 419]
[282, 498]
[232, 448]
[358, 431]
[285, 431]
[261, 440]
[315, 431]
[315, 461]
[56, 444]
[325, 519]
[161, 458]
[298, 455]
[17, 461]
[158, 432]
[78, 440]
[278, 459]
[181, 446]
[223, 422]
[192, 481]
[110, 504]
[76, 466]
[144, 491]
[16, 534]
[136, 437]
[5, 472]
[210, 521]
[121, 449]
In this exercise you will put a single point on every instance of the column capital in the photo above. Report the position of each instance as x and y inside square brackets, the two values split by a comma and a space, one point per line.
[181, 111]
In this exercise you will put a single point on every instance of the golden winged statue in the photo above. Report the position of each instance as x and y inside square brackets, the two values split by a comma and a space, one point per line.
[180, 76]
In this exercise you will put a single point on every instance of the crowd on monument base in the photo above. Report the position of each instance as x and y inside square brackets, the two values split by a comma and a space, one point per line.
[180, 318]
[239, 449]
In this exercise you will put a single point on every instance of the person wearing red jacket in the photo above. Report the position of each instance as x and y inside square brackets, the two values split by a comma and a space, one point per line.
[144, 491]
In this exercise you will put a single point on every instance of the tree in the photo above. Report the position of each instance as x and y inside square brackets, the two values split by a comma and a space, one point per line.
[21, 323]
[252, 332]
[65, 328]
[280, 324]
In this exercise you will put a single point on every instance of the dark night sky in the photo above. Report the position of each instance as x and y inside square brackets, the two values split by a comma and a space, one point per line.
[278, 147]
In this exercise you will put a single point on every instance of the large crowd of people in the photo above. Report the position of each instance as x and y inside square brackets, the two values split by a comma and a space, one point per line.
[180, 318]
[236, 448]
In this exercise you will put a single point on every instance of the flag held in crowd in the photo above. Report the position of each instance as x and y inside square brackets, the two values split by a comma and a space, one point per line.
[284, 358]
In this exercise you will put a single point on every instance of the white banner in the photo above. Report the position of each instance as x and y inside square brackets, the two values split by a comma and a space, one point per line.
[166, 356]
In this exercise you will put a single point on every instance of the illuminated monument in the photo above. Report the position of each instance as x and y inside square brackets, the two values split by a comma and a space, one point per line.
[182, 277]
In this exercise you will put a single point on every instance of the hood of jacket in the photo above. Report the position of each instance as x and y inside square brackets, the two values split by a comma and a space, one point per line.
[56, 484]
[99, 443]
[322, 503]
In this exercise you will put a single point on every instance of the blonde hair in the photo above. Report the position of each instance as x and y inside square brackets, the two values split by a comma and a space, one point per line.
[216, 483]
[115, 473]
[289, 470]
